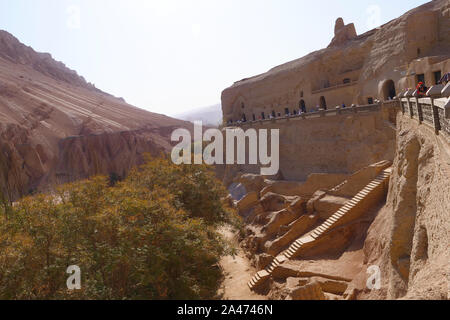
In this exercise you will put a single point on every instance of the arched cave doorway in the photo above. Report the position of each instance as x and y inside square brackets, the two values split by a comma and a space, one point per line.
[302, 106]
[323, 103]
[389, 90]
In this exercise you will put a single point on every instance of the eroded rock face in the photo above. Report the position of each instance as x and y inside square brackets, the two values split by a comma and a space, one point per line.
[310, 291]
[307, 244]
[342, 33]
[106, 153]
[247, 202]
[406, 238]
[293, 231]
[252, 182]
[409, 239]
[273, 202]
[353, 69]
[55, 127]
[328, 205]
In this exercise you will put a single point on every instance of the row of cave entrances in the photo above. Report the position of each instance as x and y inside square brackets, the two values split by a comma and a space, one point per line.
[388, 92]
[302, 108]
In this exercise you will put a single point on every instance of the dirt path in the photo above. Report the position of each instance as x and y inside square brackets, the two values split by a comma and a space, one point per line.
[238, 271]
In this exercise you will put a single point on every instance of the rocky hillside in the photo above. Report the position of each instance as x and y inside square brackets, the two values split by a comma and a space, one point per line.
[56, 127]
[324, 238]
[409, 238]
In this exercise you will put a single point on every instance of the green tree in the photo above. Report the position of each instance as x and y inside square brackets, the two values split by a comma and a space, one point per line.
[151, 236]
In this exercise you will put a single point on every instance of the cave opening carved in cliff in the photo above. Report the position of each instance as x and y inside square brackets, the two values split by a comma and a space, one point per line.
[389, 91]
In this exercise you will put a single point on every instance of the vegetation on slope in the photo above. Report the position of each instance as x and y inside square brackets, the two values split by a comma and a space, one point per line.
[151, 236]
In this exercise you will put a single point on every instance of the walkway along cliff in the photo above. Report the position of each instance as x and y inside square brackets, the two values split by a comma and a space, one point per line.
[364, 165]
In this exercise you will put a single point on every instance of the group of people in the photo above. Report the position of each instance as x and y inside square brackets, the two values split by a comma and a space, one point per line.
[422, 88]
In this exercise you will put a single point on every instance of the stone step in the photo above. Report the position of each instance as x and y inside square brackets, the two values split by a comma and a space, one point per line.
[314, 236]
[274, 264]
[331, 225]
[324, 227]
[378, 185]
[338, 214]
[280, 259]
[363, 195]
[296, 244]
[347, 206]
[318, 233]
[290, 253]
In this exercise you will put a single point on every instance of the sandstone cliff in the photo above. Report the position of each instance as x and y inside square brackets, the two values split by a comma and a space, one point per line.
[55, 127]
[352, 69]
[409, 239]
[322, 233]
[404, 236]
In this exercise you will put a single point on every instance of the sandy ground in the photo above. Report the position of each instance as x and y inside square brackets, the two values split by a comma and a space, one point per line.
[238, 271]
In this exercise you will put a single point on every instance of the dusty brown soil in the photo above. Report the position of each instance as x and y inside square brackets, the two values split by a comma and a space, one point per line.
[238, 271]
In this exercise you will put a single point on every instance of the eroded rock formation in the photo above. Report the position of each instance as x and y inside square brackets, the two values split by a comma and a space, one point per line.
[353, 69]
[342, 33]
[409, 238]
[55, 127]
[321, 235]
[406, 237]
[281, 212]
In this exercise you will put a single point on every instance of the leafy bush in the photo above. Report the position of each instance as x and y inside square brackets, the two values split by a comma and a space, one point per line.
[151, 236]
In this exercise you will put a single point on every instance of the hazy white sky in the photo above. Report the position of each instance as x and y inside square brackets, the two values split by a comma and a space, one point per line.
[169, 56]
